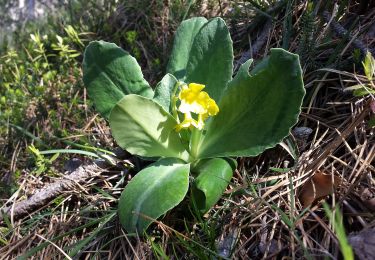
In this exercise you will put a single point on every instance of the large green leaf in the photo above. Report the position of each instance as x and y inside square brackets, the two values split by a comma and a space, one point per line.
[183, 41]
[213, 178]
[144, 128]
[242, 73]
[109, 74]
[152, 192]
[164, 91]
[258, 110]
[211, 58]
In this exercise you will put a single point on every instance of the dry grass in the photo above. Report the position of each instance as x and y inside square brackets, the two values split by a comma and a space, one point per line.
[260, 215]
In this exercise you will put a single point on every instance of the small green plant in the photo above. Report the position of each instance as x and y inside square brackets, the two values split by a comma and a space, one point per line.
[368, 87]
[30, 76]
[336, 219]
[197, 118]
[42, 164]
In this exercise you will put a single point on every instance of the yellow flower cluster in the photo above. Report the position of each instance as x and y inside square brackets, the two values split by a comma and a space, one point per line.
[194, 100]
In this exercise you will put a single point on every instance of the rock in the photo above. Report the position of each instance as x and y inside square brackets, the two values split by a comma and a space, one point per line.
[363, 244]
[72, 164]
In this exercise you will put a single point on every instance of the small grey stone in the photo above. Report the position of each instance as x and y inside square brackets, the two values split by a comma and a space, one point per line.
[302, 132]
[72, 164]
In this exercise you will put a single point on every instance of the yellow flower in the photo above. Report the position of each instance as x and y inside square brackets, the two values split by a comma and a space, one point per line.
[194, 100]
[188, 122]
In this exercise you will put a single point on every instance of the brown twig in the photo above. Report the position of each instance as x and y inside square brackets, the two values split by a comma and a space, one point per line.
[46, 194]
[256, 46]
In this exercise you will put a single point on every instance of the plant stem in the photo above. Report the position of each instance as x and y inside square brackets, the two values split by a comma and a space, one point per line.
[194, 142]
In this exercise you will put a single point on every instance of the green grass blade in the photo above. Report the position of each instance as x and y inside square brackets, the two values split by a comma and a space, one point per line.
[75, 151]
[339, 229]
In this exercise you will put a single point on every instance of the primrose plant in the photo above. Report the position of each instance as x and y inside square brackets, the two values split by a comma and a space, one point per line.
[195, 120]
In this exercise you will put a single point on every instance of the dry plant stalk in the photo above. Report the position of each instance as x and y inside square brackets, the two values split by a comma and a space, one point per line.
[48, 193]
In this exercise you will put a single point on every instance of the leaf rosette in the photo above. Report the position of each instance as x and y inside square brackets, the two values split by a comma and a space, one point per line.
[197, 117]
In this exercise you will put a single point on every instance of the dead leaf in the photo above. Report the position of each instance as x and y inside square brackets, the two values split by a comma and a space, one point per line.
[317, 187]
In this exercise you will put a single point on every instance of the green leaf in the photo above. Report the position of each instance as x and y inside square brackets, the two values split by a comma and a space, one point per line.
[182, 45]
[280, 170]
[144, 128]
[369, 65]
[165, 90]
[213, 178]
[211, 58]
[257, 111]
[152, 192]
[363, 91]
[354, 87]
[242, 73]
[109, 74]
